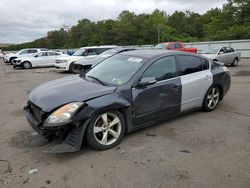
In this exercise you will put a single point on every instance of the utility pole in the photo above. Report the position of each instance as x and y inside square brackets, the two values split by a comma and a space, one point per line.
[158, 33]
[66, 29]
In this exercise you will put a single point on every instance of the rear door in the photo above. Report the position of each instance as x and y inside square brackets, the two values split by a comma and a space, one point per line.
[196, 78]
[230, 55]
[222, 55]
[40, 59]
[52, 58]
[159, 100]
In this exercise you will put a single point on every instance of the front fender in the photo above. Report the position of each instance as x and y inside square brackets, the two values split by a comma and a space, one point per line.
[107, 102]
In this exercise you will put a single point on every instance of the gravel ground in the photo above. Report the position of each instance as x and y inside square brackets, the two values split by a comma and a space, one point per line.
[196, 150]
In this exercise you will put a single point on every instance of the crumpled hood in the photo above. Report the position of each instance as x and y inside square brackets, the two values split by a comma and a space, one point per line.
[209, 56]
[56, 93]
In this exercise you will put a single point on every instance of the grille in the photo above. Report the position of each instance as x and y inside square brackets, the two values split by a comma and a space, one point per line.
[36, 111]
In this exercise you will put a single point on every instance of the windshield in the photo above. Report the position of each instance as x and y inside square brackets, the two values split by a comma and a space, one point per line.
[108, 53]
[160, 46]
[209, 51]
[116, 70]
[79, 52]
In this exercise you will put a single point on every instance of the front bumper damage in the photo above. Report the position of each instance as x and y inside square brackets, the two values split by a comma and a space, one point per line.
[63, 139]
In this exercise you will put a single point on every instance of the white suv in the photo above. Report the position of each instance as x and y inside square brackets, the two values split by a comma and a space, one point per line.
[8, 58]
[65, 63]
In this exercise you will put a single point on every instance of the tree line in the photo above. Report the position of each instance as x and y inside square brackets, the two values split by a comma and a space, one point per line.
[228, 23]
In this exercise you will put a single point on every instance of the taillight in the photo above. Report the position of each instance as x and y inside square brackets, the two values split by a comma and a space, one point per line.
[226, 70]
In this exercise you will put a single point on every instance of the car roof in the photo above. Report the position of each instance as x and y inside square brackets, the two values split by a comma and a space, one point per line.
[155, 53]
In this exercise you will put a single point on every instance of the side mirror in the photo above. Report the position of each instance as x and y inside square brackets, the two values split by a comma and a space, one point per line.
[146, 81]
[36, 56]
[221, 52]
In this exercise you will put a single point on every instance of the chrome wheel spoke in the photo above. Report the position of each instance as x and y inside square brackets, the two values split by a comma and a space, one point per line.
[216, 95]
[105, 119]
[114, 122]
[114, 133]
[209, 97]
[210, 103]
[105, 138]
[98, 129]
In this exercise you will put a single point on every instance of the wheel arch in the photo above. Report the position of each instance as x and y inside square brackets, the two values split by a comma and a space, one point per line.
[220, 90]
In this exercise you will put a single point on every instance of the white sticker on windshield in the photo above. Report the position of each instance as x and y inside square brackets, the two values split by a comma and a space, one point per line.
[134, 59]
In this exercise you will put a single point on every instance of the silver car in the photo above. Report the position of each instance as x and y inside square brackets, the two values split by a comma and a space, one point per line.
[226, 55]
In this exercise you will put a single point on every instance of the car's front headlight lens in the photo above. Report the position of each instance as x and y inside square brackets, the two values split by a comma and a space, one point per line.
[63, 115]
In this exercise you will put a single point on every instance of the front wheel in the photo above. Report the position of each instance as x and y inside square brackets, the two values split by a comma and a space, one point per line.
[27, 65]
[105, 130]
[211, 99]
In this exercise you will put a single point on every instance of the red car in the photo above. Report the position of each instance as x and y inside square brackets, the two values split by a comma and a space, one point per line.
[179, 46]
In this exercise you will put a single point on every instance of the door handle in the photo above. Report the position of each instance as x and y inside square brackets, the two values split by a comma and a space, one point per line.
[175, 88]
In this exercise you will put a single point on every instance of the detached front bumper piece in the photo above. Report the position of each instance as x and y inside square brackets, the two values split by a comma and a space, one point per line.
[68, 138]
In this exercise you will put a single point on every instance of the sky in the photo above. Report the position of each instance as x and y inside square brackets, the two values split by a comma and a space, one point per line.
[26, 20]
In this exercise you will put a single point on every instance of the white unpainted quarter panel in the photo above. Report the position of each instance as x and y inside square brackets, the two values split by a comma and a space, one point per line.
[194, 88]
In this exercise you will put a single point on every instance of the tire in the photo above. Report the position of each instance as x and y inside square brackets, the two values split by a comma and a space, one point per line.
[27, 65]
[11, 59]
[211, 99]
[103, 136]
[235, 62]
[71, 67]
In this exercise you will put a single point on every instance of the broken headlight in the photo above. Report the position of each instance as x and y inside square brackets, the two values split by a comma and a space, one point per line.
[63, 115]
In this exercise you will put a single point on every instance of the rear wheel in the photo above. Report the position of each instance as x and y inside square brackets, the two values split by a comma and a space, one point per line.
[211, 99]
[105, 130]
[27, 65]
[235, 62]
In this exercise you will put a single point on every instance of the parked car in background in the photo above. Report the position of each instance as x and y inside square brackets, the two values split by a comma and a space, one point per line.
[2, 54]
[125, 92]
[86, 64]
[24, 52]
[40, 59]
[65, 63]
[179, 46]
[226, 55]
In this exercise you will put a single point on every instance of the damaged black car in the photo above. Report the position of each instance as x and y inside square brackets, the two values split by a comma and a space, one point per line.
[124, 93]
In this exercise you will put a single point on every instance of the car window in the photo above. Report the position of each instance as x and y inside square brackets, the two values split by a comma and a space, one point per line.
[189, 64]
[162, 69]
[41, 54]
[178, 45]
[229, 50]
[223, 50]
[52, 53]
[205, 64]
[171, 46]
[24, 52]
[91, 52]
[101, 50]
[32, 51]
[116, 70]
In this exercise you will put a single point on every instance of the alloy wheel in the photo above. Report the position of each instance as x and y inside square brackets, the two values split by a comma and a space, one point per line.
[26, 65]
[107, 128]
[213, 98]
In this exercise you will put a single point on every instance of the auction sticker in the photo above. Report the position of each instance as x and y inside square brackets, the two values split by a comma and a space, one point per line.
[134, 59]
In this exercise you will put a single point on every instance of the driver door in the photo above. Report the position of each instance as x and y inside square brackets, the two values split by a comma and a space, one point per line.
[159, 100]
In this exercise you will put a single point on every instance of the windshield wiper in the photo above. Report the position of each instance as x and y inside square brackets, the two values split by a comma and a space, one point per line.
[97, 79]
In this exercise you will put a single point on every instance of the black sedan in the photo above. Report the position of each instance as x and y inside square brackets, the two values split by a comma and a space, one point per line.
[86, 64]
[125, 92]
